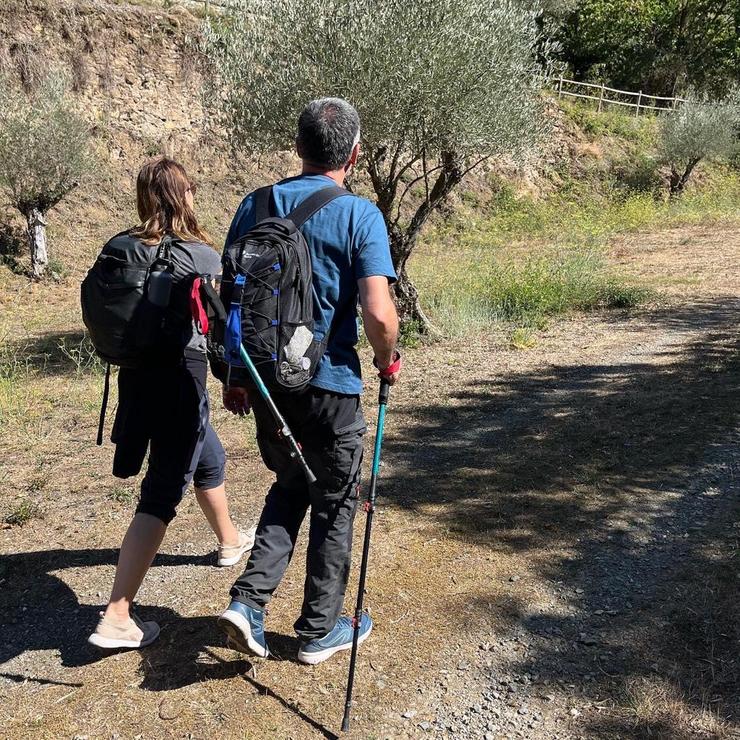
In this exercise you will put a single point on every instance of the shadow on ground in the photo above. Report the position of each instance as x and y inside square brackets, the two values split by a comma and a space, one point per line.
[41, 612]
[603, 459]
[53, 354]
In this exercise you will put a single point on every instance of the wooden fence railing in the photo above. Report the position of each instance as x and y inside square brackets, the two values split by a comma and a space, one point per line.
[604, 95]
[208, 5]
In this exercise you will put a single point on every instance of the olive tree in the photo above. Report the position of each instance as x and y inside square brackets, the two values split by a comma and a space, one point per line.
[44, 152]
[697, 130]
[440, 86]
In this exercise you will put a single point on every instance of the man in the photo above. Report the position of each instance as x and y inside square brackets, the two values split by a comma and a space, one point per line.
[351, 258]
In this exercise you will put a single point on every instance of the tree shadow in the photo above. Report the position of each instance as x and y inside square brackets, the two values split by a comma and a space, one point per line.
[601, 459]
[13, 242]
[55, 353]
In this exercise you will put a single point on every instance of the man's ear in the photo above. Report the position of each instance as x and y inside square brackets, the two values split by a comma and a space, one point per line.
[298, 147]
[354, 156]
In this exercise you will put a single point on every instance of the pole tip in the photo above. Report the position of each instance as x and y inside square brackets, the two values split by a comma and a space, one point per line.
[345, 724]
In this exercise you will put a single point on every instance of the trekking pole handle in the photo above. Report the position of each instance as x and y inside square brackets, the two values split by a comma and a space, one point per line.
[385, 392]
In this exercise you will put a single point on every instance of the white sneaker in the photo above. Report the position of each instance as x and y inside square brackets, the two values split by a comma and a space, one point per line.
[132, 634]
[232, 554]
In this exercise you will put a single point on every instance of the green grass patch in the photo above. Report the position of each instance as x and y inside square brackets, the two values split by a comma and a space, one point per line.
[522, 338]
[23, 513]
[611, 122]
[122, 494]
[525, 294]
[521, 260]
[578, 214]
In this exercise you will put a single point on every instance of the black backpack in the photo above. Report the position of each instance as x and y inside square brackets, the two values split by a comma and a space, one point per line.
[268, 295]
[125, 328]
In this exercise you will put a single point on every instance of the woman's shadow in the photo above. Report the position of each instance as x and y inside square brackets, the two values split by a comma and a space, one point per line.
[39, 611]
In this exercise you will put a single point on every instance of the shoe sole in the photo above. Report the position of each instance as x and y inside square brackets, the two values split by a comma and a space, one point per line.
[111, 643]
[236, 627]
[234, 559]
[322, 655]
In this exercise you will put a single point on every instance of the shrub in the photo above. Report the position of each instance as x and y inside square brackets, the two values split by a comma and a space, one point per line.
[697, 130]
[44, 152]
[439, 86]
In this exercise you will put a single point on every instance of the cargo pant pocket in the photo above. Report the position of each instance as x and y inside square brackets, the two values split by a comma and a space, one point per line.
[345, 457]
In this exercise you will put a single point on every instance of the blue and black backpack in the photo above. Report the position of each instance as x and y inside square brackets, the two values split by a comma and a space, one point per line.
[268, 297]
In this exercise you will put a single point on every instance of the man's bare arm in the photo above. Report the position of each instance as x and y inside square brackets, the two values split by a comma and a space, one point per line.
[380, 319]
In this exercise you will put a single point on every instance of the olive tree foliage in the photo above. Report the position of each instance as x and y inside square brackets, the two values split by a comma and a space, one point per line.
[44, 153]
[440, 85]
[699, 129]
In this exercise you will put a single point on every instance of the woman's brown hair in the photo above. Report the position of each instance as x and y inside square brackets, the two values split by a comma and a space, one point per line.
[161, 200]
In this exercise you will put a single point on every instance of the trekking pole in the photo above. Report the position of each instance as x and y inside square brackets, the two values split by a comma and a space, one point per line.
[385, 389]
[283, 429]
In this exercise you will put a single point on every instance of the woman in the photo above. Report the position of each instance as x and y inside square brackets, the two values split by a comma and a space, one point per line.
[165, 406]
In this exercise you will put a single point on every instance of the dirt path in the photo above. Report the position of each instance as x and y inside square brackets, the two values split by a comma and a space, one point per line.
[556, 554]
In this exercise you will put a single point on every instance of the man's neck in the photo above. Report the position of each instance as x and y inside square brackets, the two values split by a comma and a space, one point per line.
[336, 175]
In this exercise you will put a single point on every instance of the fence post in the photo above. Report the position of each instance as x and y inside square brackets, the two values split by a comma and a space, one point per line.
[560, 87]
[208, 6]
[639, 100]
[601, 97]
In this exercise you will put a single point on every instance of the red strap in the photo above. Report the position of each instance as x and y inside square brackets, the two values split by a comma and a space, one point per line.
[394, 367]
[200, 317]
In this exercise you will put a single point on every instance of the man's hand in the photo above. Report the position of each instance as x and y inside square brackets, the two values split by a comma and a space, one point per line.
[394, 368]
[236, 400]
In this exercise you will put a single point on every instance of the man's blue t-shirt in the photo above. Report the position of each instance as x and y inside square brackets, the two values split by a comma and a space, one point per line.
[348, 241]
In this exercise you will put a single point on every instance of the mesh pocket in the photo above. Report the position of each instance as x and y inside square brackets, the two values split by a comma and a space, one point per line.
[298, 354]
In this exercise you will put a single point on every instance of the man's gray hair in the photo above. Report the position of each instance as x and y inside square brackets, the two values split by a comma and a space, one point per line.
[328, 130]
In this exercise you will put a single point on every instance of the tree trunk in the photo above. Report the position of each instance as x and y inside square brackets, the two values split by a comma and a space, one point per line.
[403, 238]
[37, 242]
[678, 179]
[410, 311]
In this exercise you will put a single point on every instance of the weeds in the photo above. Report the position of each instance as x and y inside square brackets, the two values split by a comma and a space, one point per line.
[526, 294]
[23, 513]
[522, 338]
[122, 494]
[15, 360]
[37, 483]
[82, 355]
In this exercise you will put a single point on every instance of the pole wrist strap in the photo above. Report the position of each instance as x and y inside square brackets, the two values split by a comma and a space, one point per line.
[394, 367]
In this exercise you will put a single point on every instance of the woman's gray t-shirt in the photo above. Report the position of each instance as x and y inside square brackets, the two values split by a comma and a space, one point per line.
[190, 259]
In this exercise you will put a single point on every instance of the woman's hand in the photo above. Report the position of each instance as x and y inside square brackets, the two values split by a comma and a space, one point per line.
[236, 400]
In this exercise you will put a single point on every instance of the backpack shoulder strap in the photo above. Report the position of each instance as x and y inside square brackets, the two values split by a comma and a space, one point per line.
[315, 202]
[263, 204]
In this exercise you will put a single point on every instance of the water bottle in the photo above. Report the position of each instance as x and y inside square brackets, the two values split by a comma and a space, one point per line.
[159, 286]
[152, 310]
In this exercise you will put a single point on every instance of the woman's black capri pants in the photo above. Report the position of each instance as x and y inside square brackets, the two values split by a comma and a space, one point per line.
[166, 409]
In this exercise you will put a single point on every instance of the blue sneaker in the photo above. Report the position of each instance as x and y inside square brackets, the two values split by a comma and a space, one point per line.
[245, 627]
[340, 638]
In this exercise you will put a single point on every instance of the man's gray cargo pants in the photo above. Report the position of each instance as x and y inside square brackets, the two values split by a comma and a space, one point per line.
[330, 428]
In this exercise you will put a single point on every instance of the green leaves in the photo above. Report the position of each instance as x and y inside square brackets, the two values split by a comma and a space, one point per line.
[701, 128]
[433, 75]
[659, 46]
[44, 145]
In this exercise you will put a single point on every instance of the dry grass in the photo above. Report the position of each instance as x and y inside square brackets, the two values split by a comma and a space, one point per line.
[49, 436]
